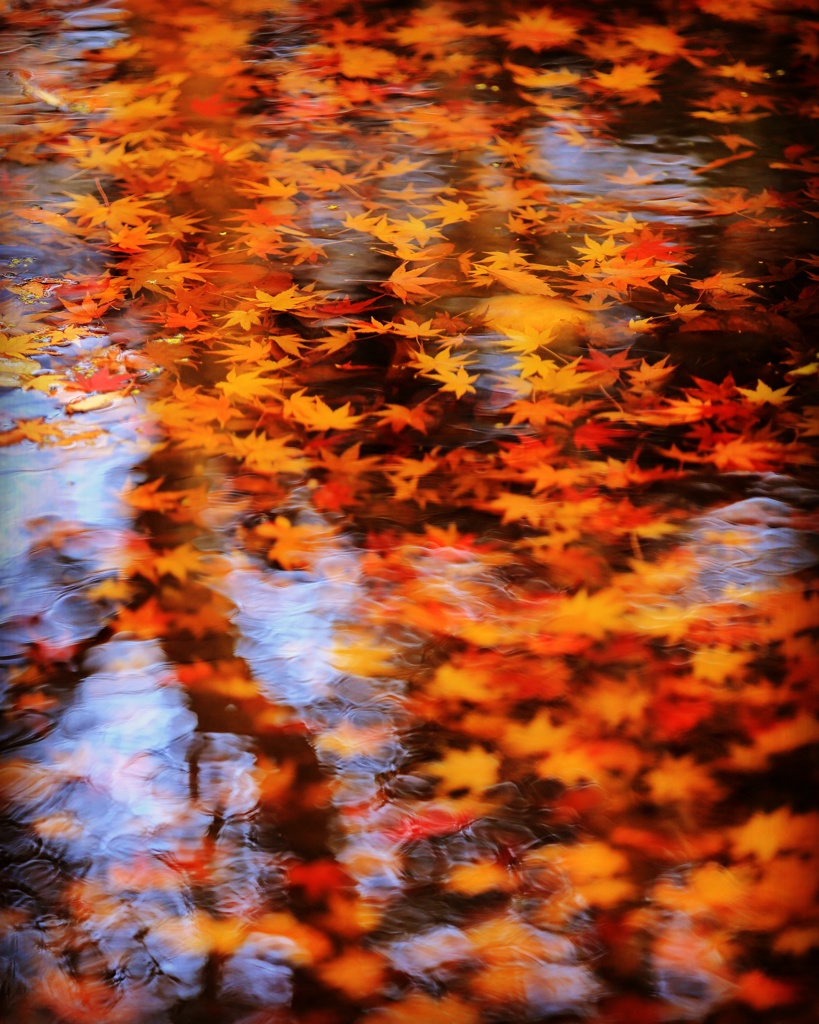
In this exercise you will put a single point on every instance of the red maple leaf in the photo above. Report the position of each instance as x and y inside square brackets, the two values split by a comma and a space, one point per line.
[103, 380]
[214, 106]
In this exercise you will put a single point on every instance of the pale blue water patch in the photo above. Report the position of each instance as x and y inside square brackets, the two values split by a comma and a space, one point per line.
[666, 188]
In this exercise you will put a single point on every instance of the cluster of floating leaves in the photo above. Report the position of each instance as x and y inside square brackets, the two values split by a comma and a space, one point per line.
[409, 422]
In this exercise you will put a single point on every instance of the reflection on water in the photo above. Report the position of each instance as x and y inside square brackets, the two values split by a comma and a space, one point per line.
[409, 518]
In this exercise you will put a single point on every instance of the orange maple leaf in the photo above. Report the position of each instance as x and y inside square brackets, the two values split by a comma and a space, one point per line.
[541, 31]
[411, 285]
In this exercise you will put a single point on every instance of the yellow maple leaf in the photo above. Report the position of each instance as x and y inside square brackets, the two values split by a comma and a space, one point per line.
[681, 778]
[522, 281]
[409, 285]
[250, 386]
[244, 318]
[463, 682]
[626, 77]
[764, 835]
[362, 658]
[535, 78]
[592, 615]
[764, 393]
[474, 770]
[286, 301]
[599, 252]
[296, 545]
[717, 663]
[537, 736]
[546, 375]
[269, 454]
[315, 414]
[180, 562]
[648, 375]
[742, 72]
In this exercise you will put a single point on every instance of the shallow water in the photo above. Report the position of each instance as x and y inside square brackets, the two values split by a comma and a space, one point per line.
[383, 649]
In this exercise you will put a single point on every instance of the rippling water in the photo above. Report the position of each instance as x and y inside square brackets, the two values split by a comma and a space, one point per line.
[489, 696]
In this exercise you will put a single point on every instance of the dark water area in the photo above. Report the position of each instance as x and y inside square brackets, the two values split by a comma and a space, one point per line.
[409, 512]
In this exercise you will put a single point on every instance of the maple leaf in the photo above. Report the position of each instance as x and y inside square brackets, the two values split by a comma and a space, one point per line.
[440, 364]
[244, 318]
[450, 212]
[650, 375]
[515, 507]
[251, 350]
[742, 72]
[458, 381]
[365, 61]
[547, 375]
[541, 31]
[411, 285]
[360, 660]
[688, 311]
[315, 414]
[480, 877]
[533, 78]
[764, 835]
[133, 239]
[103, 380]
[587, 614]
[180, 563]
[156, 273]
[184, 317]
[599, 252]
[733, 142]
[681, 778]
[295, 545]
[285, 301]
[213, 106]
[406, 328]
[474, 769]
[763, 393]
[632, 177]
[265, 454]
[595, 435]
[629, 78]
[250, 386]
[405, 474]
[656, 39]
[505, 268]
[87, 311]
